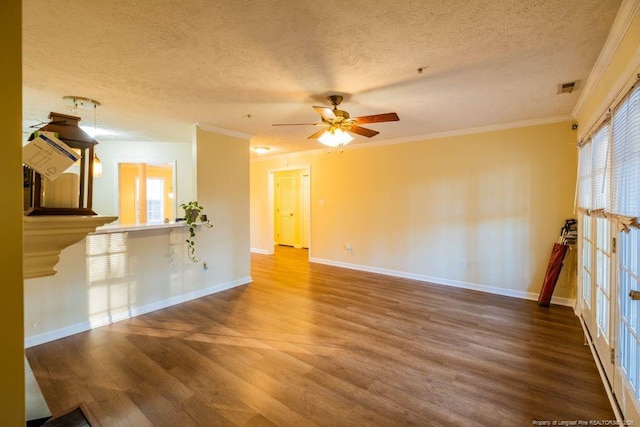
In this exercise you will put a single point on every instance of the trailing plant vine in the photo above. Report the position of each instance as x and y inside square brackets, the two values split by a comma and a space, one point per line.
[194, 216]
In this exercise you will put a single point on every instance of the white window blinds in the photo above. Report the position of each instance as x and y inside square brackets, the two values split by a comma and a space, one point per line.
[600, 169]
[626, 156]
[584, 176]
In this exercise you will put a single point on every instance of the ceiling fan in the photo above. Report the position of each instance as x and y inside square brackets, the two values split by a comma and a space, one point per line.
[338, 122]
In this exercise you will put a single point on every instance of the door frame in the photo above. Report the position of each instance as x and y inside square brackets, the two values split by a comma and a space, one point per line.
[287, 209]
[589, 314]
[622, 389]
[271, 203]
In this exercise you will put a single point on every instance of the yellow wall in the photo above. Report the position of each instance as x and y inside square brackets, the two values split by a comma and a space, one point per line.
[127, 173]
[11, 313]
[599, 100]
[222, 171]
[496, 200]
[166, 173]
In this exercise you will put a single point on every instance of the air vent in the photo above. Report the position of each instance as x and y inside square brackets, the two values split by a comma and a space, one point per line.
[567, 87]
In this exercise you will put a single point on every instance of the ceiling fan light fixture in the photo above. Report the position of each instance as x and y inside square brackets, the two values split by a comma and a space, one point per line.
[261, 150]
[335, 138]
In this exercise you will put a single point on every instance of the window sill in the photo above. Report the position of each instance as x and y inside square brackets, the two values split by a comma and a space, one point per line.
[122, 228]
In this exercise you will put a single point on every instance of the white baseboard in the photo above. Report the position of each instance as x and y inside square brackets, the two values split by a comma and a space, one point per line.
[259, 251]
[178, 299]
[445, 282]
[56, 334]
[135, 311]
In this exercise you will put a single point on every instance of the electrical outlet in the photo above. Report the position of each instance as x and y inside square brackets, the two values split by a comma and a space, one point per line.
[462, 264]
[348, 248]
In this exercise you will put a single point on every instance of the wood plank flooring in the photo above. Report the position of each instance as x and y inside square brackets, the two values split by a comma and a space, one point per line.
[308, 344]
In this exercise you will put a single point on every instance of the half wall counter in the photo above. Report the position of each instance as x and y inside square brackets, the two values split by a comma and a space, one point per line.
[115, 273]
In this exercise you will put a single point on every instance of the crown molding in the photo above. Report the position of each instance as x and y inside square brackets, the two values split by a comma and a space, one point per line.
[628, 78]
[626, 14]
[426, 137]
[478, 129]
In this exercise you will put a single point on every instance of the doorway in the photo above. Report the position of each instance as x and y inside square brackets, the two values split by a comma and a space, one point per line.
[290, 207]
[145, 193]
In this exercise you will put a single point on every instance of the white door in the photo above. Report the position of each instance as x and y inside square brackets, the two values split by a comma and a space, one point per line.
[596, 297]
[627, 373]
[587, 273]
[285, 206]
[603, 291]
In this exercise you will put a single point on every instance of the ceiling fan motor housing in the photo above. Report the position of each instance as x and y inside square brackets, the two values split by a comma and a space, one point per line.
[341, 113]
[335, 100]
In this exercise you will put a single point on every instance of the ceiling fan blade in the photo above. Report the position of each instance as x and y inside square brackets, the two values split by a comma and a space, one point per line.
[296, 124]
[377, 118]
[318, 134]
[363, 131]
[326, 113]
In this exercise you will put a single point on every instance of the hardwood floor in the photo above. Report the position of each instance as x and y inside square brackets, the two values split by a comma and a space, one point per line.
[308, 344]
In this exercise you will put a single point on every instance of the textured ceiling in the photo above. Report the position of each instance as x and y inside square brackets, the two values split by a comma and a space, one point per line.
[158, 66]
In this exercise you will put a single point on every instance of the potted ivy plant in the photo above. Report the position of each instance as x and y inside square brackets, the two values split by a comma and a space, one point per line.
[194, 216]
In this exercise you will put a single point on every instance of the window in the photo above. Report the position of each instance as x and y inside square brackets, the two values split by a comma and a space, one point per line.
[145, 193]
[600, 169]
[629, 325]
[603, 265]
[584, 179]
[609, 202]
[155, 199]
[594, 195]
[587, 269]
[626, 203]
[626, 156]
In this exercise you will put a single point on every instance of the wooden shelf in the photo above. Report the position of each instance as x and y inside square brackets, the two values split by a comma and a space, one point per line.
[46, 236]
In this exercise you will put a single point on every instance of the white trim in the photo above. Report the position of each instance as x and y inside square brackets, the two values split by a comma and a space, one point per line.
[119, 228]
[426, 137]
[271, 201]
[136, 311]
[445, 282]
[603, 375]
[56, 334]
[235, 134]
[627, 79]
[626, 13]
[259, 251]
